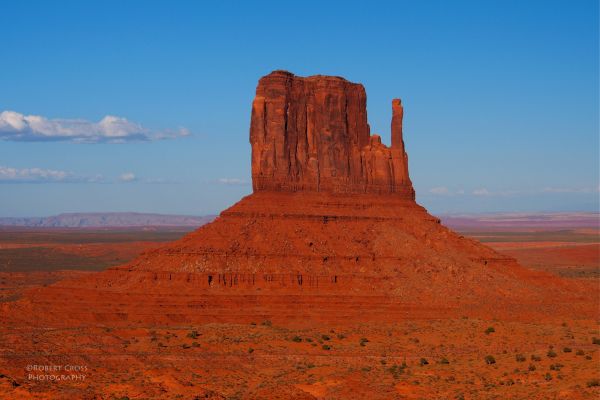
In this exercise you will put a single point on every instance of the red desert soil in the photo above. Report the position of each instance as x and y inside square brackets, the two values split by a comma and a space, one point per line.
[328, 282]
[90, 249]
[573, 253]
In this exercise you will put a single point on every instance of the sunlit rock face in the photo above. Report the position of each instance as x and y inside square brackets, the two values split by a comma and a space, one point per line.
[312, 134]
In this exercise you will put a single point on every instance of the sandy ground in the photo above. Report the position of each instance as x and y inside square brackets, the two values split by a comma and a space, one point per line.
[456, 357]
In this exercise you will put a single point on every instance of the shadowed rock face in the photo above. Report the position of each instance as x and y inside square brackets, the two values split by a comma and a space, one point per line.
[311, 134]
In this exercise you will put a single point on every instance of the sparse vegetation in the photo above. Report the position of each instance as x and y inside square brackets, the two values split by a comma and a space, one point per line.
[520, 358]
[535, 358]
[595, 340]
[363, 341]
[326, 347]
[193, 335]
[445, 361]
[297, 339]
[531, 367]
[267, 323]
[593, 383]
[580, 352]
[556, 367]
[551, 353]
[397, 370]
[489, 359]
[423, 361]
[567, 350]
[548, 377]
[489, 330]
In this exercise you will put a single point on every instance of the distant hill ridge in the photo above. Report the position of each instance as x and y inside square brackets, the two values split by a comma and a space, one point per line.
[110, 219]
[555, 220]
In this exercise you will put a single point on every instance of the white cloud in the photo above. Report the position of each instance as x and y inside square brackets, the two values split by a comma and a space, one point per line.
[481, 192]
[40, 175]
[232, 181]
[110, 129]
[127, 177]
[34, 175]
[440, 191]
[160, 181]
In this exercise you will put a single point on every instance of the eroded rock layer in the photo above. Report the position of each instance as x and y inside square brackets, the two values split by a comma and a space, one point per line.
[305, 258]
[331, 233]
[312, 134]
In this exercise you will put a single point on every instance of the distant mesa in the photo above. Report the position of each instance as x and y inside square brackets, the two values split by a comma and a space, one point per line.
[312, 134]
[549, 220]
[107, 220]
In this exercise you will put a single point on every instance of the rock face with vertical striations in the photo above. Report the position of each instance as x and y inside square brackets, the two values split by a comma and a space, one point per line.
[312, 134]
[331, 234]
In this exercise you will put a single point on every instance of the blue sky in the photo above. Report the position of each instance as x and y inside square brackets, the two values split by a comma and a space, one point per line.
[501, 98]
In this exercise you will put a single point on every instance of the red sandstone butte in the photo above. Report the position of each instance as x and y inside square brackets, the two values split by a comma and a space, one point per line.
[331, 233]
[312, 134]
[331, 241]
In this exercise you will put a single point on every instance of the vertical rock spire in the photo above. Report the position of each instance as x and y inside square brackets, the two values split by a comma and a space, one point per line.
[397, 115]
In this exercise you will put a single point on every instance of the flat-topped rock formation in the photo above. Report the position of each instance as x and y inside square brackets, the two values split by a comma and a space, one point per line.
[312, 134]
[331, 233]
[328, 282]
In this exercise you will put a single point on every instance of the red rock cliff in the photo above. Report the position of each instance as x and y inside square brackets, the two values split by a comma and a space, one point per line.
[311, 134]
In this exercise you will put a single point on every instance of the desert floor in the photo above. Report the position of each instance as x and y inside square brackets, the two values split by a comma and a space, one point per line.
[555, 357]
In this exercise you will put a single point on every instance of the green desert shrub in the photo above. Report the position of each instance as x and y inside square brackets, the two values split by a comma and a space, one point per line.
[489, 359]
[556, 367]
